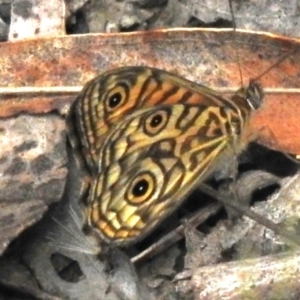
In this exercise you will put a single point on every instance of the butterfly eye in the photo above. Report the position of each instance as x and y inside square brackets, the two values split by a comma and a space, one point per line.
[115, 98]
[141, 188]
[156, 122]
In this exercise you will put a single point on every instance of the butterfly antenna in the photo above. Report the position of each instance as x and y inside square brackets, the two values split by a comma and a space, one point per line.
[275, 64]
[234, 29]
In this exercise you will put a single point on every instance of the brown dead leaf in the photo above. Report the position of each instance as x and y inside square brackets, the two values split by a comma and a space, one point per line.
[53, 69]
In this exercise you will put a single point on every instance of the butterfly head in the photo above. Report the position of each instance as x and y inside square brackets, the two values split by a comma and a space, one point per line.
[250, 97]
[254, 94]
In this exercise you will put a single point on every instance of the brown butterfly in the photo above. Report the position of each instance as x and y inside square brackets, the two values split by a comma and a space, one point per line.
[146, 160]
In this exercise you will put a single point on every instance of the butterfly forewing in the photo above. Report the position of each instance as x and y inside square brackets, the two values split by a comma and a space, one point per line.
[109, 97]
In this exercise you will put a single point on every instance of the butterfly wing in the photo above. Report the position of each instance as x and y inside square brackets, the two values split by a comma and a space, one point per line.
[108, 98]
[151, 161]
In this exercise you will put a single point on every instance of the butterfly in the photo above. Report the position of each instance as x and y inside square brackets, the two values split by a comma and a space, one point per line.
[108, 98]
[146, 160]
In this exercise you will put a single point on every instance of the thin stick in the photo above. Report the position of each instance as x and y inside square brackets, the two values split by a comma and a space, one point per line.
[280, 230]
[177, 234]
